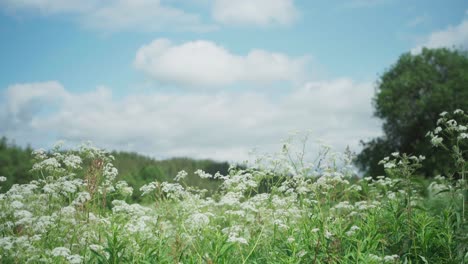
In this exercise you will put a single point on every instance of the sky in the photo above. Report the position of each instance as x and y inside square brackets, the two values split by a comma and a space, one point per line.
[206, 78]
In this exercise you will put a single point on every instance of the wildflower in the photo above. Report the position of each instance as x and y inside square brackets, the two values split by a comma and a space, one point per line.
[197, 221]
[75, 259]
[436, 141]
[203, 174]
[82, 198]
[301, 253]
[462, 136]
[147, 188]
[123, 188]
[375, 257]
[352, 230]
[390, 258]
[60, 252]
[181, 175]
[95, 247]
[236, 239]
[72, 161]
[16, 205]
[3, 178]
[458, 111]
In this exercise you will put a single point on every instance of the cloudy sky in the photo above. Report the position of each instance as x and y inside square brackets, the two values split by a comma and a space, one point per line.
[206, 78]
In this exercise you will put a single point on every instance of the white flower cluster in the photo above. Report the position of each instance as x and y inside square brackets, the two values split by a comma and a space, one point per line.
[448, 125]
[181, 175]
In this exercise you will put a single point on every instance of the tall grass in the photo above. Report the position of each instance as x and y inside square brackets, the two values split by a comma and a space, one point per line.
[282, 209]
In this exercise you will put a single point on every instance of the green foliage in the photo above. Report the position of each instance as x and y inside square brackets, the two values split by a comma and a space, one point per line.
[409, 97]
[15, 163]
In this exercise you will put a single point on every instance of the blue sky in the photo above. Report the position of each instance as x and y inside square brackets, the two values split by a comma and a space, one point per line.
[206, 78]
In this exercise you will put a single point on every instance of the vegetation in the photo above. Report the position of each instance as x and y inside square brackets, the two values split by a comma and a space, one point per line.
[137, 170]
[282, 209]
[410, 96]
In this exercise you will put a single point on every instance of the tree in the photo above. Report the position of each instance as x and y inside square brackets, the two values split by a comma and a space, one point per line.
[409, 98]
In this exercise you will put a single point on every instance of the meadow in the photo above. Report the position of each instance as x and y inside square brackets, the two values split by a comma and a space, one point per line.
[282, 208]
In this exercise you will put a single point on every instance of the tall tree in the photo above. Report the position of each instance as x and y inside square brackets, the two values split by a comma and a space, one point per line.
[409, 98]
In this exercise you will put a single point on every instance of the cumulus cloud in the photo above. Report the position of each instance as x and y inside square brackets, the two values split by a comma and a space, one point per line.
[208, 64]
[451, 37]
[255, 12]
[222, 126]
[119, 15]
[25, 100]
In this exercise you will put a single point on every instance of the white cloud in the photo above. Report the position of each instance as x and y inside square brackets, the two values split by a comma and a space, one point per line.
[453, 36]
[119, 15]
[143, 15]
[24, 100]
[222, 126]
[255, 12]
[206, 63]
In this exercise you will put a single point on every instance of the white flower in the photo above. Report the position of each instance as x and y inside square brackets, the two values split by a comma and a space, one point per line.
[197, 221]
[375, 257]
[462, 136]
[3, 178]
[75, 259]
[181, 175]
[123, 188]
[437, 130]
[301, 253]
[436, 141]
[390, 259]
[147, 188]
[95, 247]
[60, 252]
[16, 205]
[72, 161]
[236, 239]
[452, 123]
[81, 198]
[203, 174]
[458, 111]
[443, 113]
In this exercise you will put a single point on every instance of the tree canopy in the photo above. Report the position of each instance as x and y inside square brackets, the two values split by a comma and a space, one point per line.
[409, 98]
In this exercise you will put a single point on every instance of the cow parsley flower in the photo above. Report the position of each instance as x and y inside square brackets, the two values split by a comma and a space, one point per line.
[181, 175]
[61, 252]
[436, 141]
[72, 161]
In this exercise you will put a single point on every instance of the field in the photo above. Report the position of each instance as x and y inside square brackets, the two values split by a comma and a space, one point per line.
[281, 209]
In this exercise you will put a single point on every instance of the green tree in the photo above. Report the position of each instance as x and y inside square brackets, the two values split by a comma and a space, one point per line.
[409, 98]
